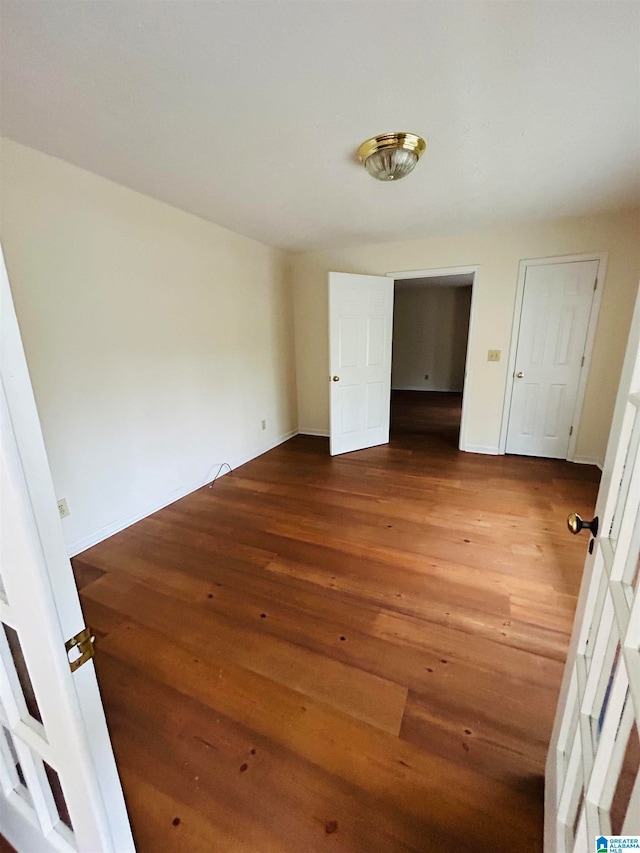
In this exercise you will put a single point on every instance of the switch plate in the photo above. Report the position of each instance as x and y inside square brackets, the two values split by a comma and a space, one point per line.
[494, 355]
[63, 508]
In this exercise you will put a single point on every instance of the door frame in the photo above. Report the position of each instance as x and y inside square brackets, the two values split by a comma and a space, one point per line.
[468, 366]
[602, 258]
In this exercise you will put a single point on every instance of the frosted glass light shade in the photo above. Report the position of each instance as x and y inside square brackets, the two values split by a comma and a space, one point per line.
[391, 164]
[391, 156]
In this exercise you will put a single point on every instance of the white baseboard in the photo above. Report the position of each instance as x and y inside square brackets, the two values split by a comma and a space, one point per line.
[236, 463]
[119, 524]
[587, 460]
[322, 433]
[478, 448]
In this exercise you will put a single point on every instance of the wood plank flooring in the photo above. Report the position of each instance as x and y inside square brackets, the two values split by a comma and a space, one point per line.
[355, 654]
[5, 847]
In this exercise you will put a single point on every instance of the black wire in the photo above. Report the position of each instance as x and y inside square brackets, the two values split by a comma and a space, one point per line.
[218, 472]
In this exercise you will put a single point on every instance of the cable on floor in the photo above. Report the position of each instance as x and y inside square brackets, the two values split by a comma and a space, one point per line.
[218, 472]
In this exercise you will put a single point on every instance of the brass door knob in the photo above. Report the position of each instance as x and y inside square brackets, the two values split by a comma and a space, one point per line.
[519, 375]
[576, 524]
[336, 378]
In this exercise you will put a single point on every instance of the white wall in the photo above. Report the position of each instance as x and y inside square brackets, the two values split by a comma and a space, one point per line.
[430, 330]
[497, 252]
[156, 341]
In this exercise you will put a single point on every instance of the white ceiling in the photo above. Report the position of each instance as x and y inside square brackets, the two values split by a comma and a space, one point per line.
[249, 113]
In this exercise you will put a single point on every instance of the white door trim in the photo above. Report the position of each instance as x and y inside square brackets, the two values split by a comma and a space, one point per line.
[433, 273]
[468, 367]
[602, 258]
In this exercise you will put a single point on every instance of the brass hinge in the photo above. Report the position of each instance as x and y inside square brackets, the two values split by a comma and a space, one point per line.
[571, 431]
[582, 362]
[83, 642]
[595, 283]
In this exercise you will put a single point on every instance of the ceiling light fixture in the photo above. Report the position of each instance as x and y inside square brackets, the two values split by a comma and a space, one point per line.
[391, 156]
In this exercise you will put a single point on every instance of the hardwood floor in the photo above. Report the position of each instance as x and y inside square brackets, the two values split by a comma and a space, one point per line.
[5, 847]
[355, 654]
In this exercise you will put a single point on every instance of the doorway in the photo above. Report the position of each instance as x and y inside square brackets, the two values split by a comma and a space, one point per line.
[360, 355]
[431, 319]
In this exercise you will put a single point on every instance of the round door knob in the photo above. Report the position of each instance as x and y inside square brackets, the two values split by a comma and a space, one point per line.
[336, 378]
[519, 375]
[575, 524]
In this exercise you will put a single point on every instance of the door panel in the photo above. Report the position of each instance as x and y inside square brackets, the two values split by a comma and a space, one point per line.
[360, 325]
[563, 341]
[376, 341]
[349, 401]
[375, 405]
[552, 334]
[347, 342]
[555, 407]
[531, 392]
[59, 786]
[592, 786]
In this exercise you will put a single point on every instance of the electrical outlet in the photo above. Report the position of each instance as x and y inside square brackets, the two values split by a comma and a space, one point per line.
[63, 508]
[494, 355]
[263, 424]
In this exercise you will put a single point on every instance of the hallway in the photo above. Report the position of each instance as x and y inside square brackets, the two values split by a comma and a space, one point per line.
[434, 415]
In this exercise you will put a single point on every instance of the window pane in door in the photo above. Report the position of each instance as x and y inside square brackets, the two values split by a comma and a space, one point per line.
[21, 787]
[576, 820]
[636, 574]
[22, 673]
[14, 756]
[596, 724]
[627, 471]
[626, 780]
[58, 796]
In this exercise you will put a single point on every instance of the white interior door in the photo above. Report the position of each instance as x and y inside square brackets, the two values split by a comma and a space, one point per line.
[360, 333]
[59, 787]
[556, 307]
[592, 785]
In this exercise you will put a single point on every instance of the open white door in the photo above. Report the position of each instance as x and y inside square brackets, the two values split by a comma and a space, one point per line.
[592, 785]
[59, 787]
[360, 332]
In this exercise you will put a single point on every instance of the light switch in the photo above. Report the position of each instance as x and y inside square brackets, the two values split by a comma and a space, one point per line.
[493, 355]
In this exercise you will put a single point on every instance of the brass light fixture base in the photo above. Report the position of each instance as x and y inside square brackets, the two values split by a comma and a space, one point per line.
[391, 156]
[409, 141]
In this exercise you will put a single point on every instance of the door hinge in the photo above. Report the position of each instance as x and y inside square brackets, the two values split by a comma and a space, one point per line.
[83, 642]
[595, 283]
[571, 431]
[582, 362]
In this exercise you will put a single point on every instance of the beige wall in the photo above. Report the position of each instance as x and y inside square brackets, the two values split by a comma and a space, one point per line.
[497, 252]
[430, 331]
[156, 342]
